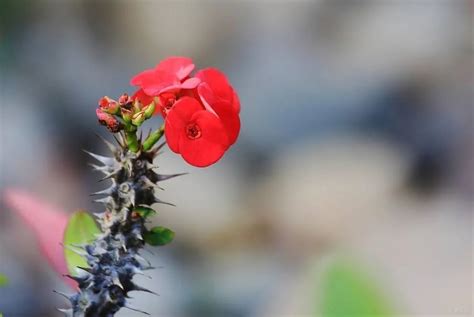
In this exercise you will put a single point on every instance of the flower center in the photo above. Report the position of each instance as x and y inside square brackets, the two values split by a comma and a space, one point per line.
[193, 131]
[169, 103]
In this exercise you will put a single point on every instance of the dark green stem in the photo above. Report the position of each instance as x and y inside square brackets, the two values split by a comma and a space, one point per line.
[132, 140]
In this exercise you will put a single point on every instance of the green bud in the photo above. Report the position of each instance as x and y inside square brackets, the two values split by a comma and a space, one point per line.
[138, 118]
[149, 110]
[126, 115]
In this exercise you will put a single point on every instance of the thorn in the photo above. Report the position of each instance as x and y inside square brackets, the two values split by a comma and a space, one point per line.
[142, 289]
[62, 294]
[137, 310]
[147, 182]
[104, 200]
[154, 152]
[75, 278]
[116, 281]
[110, 175]
[103, 159]
[162, 177]
[68, 311]
[107, 191]
[159, 201]
[144, 263]
[85, 269]
[119, 142]
[111, 147]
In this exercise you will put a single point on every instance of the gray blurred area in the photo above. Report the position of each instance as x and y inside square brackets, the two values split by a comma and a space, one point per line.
[356, 139]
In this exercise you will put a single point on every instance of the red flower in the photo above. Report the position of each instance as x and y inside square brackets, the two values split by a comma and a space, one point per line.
[218, 96]
[198, 135]
[169, 75]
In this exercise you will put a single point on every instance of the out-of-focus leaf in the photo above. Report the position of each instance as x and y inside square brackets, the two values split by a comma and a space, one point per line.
[3, 280]
[349, 291]
[159, 236]
[81, 229]
[47, 222]
[145, 212]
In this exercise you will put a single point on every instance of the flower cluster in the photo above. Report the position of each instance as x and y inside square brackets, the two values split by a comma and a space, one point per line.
[131, 113]
[201, 112]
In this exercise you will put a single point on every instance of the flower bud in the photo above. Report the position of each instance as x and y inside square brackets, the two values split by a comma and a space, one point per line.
[126, 115]
[124, 99]
[138, 118]
[108, 120]
[109, 105]
[149, 110]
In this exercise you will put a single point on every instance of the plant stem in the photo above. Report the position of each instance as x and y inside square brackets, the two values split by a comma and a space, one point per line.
[154, 137]
[132, 140]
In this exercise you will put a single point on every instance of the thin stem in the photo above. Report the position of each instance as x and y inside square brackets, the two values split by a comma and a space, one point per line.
[154, 137]
[132, 140]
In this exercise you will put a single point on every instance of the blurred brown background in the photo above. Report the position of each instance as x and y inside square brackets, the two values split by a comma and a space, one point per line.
[356, 140]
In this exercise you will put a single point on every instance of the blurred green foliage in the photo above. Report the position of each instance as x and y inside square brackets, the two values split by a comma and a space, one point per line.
[3, 280]
[348, 291]
[81, 229]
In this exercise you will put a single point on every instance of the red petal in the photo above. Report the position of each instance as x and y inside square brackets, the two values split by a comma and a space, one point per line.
[138, 79]
[217, 82]
[141, 96]
[190, 83]
[47, 223]
[181, 67]
[230, 119]
[236, 102]
[177, 119]
[210, 147]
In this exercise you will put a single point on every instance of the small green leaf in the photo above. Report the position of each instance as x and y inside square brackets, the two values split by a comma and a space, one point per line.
[159, 236]
[81, 229]
[349, 291]
[3, 280]
[145, 212]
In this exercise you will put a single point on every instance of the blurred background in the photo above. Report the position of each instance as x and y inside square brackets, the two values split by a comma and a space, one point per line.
[351, 182]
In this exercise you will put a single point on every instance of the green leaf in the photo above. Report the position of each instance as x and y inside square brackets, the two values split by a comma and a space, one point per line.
[145, 212]
[159, 236]
[3, 280]
[81, 229]
[349, 291]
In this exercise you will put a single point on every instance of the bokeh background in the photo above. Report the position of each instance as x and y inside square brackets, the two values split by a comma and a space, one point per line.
[356, 151]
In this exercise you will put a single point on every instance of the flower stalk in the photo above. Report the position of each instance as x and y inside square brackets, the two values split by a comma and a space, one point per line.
[201, 122]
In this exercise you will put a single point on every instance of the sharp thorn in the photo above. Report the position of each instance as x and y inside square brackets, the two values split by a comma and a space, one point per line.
[137, 310]
[159, 201]
[154, 151]
[103, 159]
[162, 177]
[142, 289]
[62, 294]
[107, 191]
[68, 311]
[111, 147]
